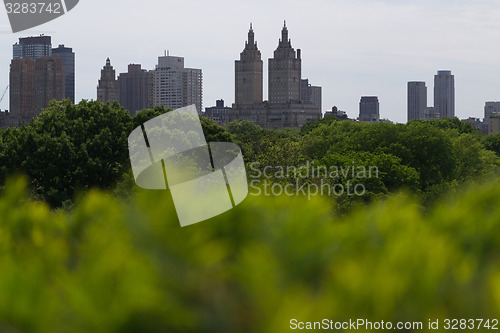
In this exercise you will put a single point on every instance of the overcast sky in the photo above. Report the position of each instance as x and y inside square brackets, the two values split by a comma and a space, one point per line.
[351, 48]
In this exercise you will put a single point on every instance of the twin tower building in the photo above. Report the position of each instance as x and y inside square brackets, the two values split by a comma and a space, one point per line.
[292, 101]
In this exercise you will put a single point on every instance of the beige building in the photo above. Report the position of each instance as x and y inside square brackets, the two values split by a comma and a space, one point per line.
[175, 86]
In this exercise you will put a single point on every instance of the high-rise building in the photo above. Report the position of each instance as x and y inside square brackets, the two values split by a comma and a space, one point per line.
[311, 94]
[284, 72]
[249, 74]
[444, 94]
[50, 81]
[136, 89]
[369, 109]
[36, 78]
[287, 106]
[33, 47]
[22, 89]
[33, 84]
[490, 109]
[68, 59]
[417, 100]
[175, 86]
[108, 89]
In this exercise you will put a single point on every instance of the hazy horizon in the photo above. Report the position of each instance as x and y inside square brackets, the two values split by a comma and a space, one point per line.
[350, 48]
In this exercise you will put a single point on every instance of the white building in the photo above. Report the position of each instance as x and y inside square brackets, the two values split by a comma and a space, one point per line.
[175, 86]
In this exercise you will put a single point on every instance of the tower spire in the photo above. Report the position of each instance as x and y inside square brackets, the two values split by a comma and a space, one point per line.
[285, 42]
[251, 44]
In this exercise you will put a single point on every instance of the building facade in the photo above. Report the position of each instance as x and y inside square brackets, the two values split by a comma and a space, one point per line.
[68, 59]
[175, 86]
[22, 90]
[286, 107]
[369, 109]
[218, 113]
[490, 109]
[33, 47]
[249, 74]
[136, 89]
[494, 124]
[108, 89]
[417, 100]
[50, 81]
[311, 94]
[430, 113]
[285, 72]
[33, 84]
[444, 94]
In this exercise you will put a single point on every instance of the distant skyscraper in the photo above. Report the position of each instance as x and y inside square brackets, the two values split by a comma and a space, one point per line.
[68, 58]
[287, 107]
[33, 47]
[175, 86]
[369, 109]
[248, 74]
[417, 100]
[490, 109]
[33, 84]
[284, 72]
[22, 89]
[136, 89]
[36, 78]
[50, 81]
[108, 89]
[311, 94]
[444, 94]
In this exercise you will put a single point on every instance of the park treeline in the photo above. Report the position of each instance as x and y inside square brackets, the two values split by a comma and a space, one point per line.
[70, 149]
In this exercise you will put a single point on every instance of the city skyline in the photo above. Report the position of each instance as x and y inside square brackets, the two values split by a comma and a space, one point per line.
[359, 48]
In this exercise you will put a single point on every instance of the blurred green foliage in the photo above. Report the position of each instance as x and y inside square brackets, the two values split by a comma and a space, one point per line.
[126, 265]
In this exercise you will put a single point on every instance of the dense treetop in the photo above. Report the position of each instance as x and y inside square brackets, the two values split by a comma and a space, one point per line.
[71, 148]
